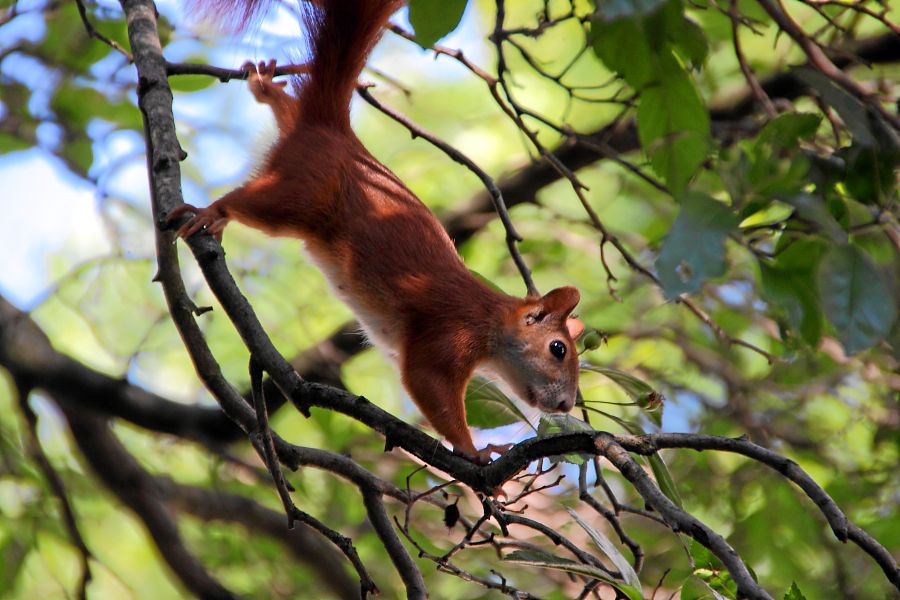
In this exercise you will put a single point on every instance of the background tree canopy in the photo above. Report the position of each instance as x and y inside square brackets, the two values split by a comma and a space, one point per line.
[718, 178]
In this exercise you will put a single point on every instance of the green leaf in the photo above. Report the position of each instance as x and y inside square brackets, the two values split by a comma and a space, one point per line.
[78, 154]
[638, 390]
[690, 41]
[787, 130]
[76, 105]
[664, 479]
[856, 299]
[694, 249]
[67, 43]
[696, 589]
[538, 558]
[812, 208]
[488, 407]
[11, 143]
[551, 423]
[853, 112]
[610, 550]
[13, 552]
[871, 173]
[685, 36]
[433, 19]
[673, 124]
[795, 293]
[190, 83]
[794, 593]
[629, 426]
[719, 582]
[623, 47]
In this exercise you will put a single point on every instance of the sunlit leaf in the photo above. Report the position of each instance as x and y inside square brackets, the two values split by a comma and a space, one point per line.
[638, 390]
[696, 589]
[794, 593]
[673, 124]
[488, 407]
[11, 143]
[433, 19]
[610, 550]
[544, 560]
[624, 48]
[190, 83]
[551, 423]
[68, 43]
[79, 154]
[664, 479]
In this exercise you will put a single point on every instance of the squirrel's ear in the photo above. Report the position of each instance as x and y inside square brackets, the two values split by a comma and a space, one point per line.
[560, 302]
[575, 327]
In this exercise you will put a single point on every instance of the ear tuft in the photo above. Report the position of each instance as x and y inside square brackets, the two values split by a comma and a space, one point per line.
[560, 302]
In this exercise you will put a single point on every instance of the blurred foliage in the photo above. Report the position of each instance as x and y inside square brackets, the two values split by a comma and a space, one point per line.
[786, 238]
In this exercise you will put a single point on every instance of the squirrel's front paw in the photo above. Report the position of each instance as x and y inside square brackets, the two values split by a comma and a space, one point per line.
[259, 78]
[210, 221]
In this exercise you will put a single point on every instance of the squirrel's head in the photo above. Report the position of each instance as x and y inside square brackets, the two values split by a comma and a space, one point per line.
[536, 352]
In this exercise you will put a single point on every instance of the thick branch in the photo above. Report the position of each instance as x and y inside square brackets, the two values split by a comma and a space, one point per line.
[403, 562]
[125, 478]
[17, 351]
[306, 545]
[678, 519]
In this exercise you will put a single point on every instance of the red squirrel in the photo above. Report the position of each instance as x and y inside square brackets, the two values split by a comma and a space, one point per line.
[383, 252]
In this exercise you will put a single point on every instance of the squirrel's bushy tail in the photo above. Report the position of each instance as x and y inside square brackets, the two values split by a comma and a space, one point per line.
[340, 35]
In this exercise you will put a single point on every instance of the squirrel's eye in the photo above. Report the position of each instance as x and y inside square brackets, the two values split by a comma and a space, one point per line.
[558, 349]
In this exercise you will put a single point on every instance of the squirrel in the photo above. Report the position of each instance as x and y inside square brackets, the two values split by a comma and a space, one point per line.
[383, 252]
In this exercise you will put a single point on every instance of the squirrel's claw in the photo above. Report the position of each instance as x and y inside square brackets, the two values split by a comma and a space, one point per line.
[483, 456]
[209, 221]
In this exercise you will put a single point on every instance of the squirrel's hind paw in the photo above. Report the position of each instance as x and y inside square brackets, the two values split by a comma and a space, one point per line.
[483, 456]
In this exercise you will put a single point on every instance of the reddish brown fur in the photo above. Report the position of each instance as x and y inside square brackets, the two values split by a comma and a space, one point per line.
[382, 249]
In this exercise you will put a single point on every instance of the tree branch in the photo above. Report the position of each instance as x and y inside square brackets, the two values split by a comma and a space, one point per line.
[134, 487]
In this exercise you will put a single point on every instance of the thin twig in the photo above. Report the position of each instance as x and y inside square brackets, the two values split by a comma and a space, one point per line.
[821, 62]
[758, 92]
[512, 236]
[92, 31]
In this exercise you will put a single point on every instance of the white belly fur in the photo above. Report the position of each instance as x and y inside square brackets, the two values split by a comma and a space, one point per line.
[381, 332]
